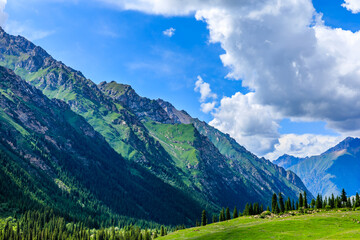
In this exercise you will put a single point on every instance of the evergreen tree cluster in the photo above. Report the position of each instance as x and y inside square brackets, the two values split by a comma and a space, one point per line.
[44, 225]
[333, 202]
[279, 206]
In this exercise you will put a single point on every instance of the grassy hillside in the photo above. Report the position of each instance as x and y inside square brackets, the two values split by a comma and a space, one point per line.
[322, 225]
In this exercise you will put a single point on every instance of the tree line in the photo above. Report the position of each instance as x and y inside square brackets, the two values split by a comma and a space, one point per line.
[45, 225]
[280, 206]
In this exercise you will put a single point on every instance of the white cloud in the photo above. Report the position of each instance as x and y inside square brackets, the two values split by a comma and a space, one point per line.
[161, 7]
[169, 32]
[295, 65]
[204, 89]
[3, 14]
[303, 145]
[252, 125]
[352, 5]
[207, 107]
[25, 29]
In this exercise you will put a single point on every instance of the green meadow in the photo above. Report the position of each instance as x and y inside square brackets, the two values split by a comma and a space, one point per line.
[323, 225]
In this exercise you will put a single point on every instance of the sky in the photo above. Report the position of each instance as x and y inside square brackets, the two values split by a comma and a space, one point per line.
[280, 76]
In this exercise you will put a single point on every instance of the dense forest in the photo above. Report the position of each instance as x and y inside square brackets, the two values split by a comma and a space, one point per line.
[44, 224]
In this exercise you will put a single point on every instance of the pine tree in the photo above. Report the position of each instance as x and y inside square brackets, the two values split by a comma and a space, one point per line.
[313, 203]
[222, 215]
[343, 196]
[235, 213]
[256, 208]
[274, 204]
[227, 214]
[305, 200]
[293, 205]
[162, 230]
[281, 202]
[357, 200]
[214, 218]
[348, 203]
[203, 218]
[251, 209]
[288, 205]
[301, 200]
[332, 201]
[246, 210]
[318, 202]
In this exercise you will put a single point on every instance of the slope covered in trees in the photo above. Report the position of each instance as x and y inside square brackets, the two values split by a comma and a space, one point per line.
[53, 157]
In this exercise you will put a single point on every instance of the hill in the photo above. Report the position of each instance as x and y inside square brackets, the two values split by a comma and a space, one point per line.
[323, 225]
[331, 171]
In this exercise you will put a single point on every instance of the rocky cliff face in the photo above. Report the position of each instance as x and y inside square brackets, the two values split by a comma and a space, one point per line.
[144, 108]
[204, 163]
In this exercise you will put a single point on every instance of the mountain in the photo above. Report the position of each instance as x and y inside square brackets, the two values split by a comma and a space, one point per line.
[189, 155]
[331, 171]
[257, 178]
[52, 157]
[286, 161]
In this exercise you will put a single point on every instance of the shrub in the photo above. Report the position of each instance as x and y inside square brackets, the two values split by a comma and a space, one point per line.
[265, 213]
[327, 208]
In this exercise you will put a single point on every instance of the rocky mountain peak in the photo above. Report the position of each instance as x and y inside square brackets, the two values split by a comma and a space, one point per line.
[144, 108]
[174, 114]
[350, 144]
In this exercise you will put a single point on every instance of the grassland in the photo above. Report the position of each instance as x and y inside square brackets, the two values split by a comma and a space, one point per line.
[322, 225]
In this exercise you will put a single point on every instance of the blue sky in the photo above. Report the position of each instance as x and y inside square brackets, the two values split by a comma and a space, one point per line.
[117, 41]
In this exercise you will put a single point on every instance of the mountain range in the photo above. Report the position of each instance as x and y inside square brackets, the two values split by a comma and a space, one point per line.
[329, 172]
[102, 150]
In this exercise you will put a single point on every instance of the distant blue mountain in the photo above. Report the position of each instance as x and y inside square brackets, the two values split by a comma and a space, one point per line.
[330, 172]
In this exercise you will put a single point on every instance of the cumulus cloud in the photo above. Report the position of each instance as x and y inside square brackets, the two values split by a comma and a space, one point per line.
[207, 107]
[352, 5]
[169, 32]
[253, 125]
[295, 65]
[305, 145]
[204, 89]
[3, 14]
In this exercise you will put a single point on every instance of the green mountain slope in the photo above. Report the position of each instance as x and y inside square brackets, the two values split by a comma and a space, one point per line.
[252, 178]
[333, 170]
[53, 157]
[220, 173]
